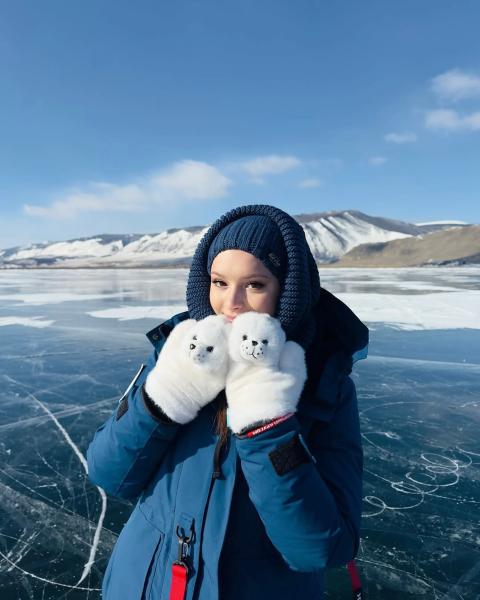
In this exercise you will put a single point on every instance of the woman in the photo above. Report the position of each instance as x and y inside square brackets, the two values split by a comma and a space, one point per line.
[261, 506]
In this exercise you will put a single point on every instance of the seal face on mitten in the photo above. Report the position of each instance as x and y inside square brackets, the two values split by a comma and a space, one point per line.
[256, 338]
[266, 374]
[206, 344]
[186, 378]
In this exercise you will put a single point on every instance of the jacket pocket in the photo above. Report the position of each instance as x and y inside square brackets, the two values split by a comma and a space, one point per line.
[130, 566]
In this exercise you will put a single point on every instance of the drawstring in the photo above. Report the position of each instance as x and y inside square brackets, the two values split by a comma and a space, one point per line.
[217, 469]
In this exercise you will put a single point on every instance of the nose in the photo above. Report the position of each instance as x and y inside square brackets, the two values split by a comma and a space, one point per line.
[254, 342]
[235, 299]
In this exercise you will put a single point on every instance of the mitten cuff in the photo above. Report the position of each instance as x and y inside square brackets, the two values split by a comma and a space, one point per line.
[170, 399]
[242, 417]
[154, 409]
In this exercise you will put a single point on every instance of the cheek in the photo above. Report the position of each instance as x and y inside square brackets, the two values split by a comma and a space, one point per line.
[214, 301]
[265, 303]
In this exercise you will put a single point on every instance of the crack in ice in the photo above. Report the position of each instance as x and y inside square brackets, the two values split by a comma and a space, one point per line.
[81, 458]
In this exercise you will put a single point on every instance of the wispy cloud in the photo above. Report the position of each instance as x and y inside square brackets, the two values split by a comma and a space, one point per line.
[451, 120]
[192, 180]
[377, 161]
[455, 85]
[310, 183]
[187, 180]
[401, 138]
[272, 164]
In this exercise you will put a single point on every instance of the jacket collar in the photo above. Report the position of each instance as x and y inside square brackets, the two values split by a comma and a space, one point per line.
[159, 334]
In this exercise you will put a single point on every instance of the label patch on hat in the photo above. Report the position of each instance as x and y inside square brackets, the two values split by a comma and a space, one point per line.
[274, 258]
[288, 456]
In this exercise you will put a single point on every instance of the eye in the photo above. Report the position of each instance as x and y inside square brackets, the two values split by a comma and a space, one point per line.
[256, 284]
[244, 337]
[209, 348]
[194, 337]
[215, 281]
[192, 346]
[264, 341]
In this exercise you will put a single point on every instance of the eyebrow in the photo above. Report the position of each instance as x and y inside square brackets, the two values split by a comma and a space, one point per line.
[246, 276]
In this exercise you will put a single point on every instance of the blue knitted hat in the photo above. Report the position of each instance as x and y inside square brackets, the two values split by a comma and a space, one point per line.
[300, 289]
[257, 235]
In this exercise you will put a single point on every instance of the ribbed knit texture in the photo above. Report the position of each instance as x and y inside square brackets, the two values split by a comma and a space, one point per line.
[300, 291]
[257, 235]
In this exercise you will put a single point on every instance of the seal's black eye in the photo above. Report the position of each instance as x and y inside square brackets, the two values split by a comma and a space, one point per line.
[192, 346]
[209, 348]
[244, 337]
[194, 337]
[264, 341]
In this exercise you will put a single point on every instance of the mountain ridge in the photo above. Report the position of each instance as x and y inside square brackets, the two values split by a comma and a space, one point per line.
[331, 235]
[452, 246]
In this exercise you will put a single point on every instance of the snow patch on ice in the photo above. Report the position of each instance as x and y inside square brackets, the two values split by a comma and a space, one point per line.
[58, 297]
[446, 310]
[129, 313]
[25, 321]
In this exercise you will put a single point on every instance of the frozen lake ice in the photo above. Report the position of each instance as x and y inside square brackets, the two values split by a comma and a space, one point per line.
[72, 340]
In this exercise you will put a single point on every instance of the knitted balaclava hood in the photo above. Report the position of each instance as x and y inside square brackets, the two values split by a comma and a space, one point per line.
[300, 289]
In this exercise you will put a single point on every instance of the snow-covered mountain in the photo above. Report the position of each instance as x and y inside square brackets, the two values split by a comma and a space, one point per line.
[330, 236]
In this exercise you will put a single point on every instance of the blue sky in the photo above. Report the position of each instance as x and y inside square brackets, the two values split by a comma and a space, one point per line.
[122, 117]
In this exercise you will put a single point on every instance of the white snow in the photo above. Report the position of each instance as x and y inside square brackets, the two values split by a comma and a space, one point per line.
[411, 299]
[402, 285]
[331, 237]
[445, 310]
[25, 321]
[174, 245]
[442, 223]
[58, 297]
[165, 245]
[129, 313]
[84, 248]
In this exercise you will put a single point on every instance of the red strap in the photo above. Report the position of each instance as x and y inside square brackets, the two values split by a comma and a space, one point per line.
[179, 582]
[355, 579]
[269, 425]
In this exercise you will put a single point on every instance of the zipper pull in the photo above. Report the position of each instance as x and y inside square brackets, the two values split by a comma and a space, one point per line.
[180, 568]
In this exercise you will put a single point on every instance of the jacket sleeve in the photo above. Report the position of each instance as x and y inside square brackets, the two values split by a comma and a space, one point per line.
[309, 498]
[128, 448]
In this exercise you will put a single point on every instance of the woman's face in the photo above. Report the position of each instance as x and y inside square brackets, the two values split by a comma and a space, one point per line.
[239, 283]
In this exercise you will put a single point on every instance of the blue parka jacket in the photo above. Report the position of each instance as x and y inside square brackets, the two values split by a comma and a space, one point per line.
[257, 527]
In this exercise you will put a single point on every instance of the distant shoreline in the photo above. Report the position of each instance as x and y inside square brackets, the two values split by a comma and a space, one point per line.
[187, 267]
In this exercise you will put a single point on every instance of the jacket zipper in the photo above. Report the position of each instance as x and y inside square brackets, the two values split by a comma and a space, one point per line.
[216, 474]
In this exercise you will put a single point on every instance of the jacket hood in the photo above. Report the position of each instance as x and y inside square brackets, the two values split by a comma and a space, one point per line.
[341, 339]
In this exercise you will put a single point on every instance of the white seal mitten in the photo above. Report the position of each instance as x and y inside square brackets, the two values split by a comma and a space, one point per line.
[191, 368]
[266, 375]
